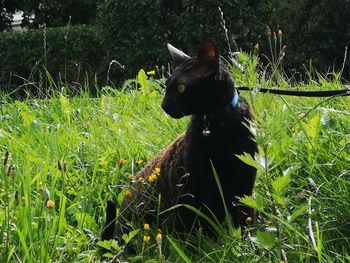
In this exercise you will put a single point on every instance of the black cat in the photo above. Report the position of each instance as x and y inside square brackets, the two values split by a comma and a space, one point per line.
[200, 86]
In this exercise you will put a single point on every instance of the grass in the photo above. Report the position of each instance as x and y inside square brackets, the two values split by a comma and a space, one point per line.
[79, 151]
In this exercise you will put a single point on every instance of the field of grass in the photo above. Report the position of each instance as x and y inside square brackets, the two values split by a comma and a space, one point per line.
[68, 155]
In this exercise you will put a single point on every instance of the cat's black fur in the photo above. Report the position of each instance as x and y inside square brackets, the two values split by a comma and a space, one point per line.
[186, 175]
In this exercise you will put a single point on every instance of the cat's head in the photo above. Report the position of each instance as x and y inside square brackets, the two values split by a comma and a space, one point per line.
[198, 85]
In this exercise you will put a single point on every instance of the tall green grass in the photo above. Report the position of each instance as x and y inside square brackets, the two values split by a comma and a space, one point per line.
[79, 152]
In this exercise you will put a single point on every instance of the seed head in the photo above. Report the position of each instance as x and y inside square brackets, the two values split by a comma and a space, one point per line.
[10, 170]
[59, 166]
[280, 33]
[268, 30]
[6, 158]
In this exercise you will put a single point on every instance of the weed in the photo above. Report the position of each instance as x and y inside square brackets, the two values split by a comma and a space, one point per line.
[71, 154]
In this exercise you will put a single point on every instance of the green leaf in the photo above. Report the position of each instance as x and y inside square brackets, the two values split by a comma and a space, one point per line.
[86, 221]
[280, 184]
[297, 213]
[215, 227]
[266, 239]
[312, 128]
[114, 244]
[249, 201]
[106, 244]
[27, 118]
[108, 255]
[65, 107]
[142, 79]
[128, 237]
[248, 159]
[178, 250]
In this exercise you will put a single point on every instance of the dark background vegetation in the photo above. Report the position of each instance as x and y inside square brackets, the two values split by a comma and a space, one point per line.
[135, 33]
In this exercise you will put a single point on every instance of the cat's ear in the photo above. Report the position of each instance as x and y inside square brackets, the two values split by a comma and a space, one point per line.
[177, 55]
[208, 55]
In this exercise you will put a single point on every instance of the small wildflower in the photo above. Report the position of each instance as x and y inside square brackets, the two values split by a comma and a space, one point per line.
[146, 227]
[127, 194]
[130, 177]
[159, 238]
[138, 162]
[152, 178]
[50, 204]
[157, 170]
[281, 261]
[249, 219]
[151, 73]
[159, 231]
[122, 161]
[146, 239]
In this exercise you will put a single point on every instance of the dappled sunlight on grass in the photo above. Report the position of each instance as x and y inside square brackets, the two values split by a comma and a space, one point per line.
[68, 156]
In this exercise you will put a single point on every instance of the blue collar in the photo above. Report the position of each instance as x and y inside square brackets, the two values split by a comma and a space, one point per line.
[234, 102]
[219, 114]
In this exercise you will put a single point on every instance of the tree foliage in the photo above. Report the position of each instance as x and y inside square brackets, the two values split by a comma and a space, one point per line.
[59, 13]
[7, 9]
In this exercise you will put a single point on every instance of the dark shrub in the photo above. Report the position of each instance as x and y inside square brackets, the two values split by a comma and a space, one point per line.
[67, 53]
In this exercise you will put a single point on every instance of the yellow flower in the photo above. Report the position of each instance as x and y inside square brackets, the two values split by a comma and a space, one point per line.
[122, 161]
[151, 73]
[50, 204]
[249, 219]
[152, 178]
[159, 238]
[139, 162]
[146, 227]
[146, 239]
[157, 170]
[127, 194]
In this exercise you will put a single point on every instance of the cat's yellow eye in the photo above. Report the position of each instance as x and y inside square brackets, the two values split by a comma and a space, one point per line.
[181, 88]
